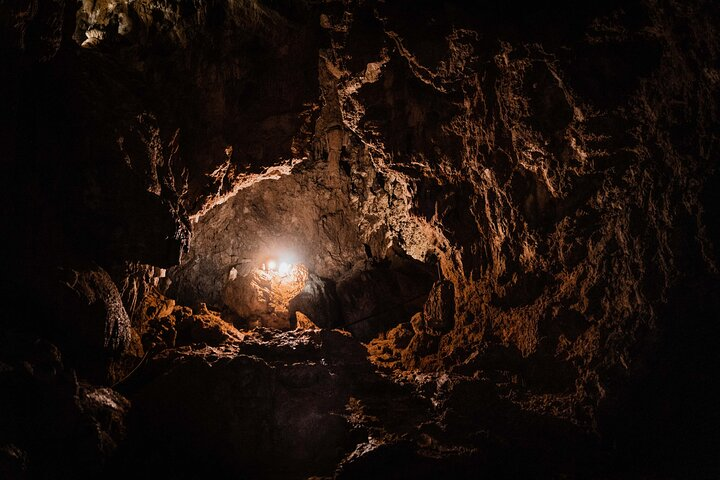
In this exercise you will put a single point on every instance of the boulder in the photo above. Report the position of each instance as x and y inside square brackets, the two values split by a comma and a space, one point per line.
[318, 301]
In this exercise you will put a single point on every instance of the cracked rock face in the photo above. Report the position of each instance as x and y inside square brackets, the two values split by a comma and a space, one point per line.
[264, 296]
[514, 207]
[568, 212]
[308, 403]
[241, 75]
[270, 406]
[538, 166]
[46, 414]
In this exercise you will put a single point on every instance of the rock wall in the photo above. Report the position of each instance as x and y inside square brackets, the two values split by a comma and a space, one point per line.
[561, 168]
[112, 145]
[556, 162]
[546, 175]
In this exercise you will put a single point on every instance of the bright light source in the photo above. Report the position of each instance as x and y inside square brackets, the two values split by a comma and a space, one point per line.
[284, 268]
[272, 265]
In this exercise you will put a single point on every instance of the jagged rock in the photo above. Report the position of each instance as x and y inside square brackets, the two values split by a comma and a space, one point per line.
[304, 322]
[108, 410]
[373, 300]
[297, 216]
[551, 167]
[166, 325]
[439, 310]
[203, 326]
[299, 403]
[84, 314]
[51, 426]
[254, 108]
[524, 180]
[318, 301]
[93, 302]
[269, 406]
[263, 295]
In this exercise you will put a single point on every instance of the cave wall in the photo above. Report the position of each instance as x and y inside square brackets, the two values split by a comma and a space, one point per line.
[111, 147]
[235, 78]
[555, 164]
[563, 167]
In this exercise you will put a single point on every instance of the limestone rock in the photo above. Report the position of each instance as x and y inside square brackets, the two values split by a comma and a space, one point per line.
[373, 300]
[52, 426]
[439, 310]
[270, 406]
[319, 301]
[263, 296]
[551, 168]
[304, 322]
[94, 292]
[87, 318]
[166, 325]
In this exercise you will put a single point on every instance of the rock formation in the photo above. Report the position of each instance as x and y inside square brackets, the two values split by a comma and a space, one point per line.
[493, 231]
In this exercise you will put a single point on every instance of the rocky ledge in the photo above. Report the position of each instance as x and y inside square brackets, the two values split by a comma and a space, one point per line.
[310, 403]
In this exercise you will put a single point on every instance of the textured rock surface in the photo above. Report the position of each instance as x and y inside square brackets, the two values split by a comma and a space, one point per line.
[569, 207]
[51, 426]
[263, 296]
[95, 291]
[300, 216]
[300, 403]
[560, 179]
[560, 169]
[318, 301]
[269, 407]
[162, 324]
[309, 217]
[241, 75]
[551, 169]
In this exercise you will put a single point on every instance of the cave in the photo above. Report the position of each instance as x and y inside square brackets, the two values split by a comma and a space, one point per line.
[353, 239]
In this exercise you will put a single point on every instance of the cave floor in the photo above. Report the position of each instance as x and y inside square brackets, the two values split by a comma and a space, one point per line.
[311, 403]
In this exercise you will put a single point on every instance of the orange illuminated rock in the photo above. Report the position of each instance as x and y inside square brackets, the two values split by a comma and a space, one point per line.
[304, 322]
[262, 297]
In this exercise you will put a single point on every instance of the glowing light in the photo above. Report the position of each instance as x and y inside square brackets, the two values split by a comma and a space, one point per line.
[281, 266]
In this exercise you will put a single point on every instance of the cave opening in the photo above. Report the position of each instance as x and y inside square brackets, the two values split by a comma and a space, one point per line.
[359, 239]
[292, 245]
